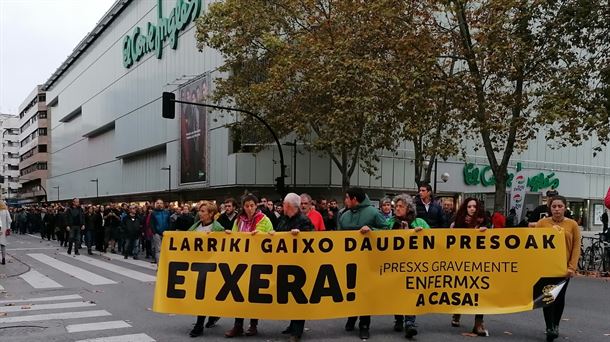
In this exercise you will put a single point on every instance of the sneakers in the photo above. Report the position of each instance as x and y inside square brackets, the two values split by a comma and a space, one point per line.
[212, 322]
[364, 334]
[197, 331]
[398, 326]
[410, 331]
[455, 321]
[479, 329]
[552, 333]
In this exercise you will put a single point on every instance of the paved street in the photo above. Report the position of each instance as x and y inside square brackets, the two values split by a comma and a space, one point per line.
[50, 296]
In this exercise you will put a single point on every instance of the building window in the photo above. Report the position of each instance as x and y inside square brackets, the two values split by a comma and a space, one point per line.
[42, 131]
[42, 114]
[42, 148]
[42, 97]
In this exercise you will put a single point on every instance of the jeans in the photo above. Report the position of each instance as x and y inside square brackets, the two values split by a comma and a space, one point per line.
[132, 247]
[88, 238]
[157, 246]
[296, 328]
[74, 238]
[408, 319]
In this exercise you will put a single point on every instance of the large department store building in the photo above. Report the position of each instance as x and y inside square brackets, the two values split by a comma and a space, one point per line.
[109, 141]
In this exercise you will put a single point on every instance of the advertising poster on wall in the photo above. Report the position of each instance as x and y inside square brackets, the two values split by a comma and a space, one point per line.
[193, 132]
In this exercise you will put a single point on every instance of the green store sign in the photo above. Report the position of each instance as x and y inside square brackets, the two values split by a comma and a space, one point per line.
[484, 176]
[143, 41]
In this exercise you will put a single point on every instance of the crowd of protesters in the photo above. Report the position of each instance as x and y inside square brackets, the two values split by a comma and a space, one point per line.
[135, 230]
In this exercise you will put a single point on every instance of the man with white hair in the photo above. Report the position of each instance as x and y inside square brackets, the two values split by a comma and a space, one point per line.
[314, 216]
[294, 221]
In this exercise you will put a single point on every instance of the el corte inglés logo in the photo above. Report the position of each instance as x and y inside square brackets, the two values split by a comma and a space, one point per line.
[142, 42]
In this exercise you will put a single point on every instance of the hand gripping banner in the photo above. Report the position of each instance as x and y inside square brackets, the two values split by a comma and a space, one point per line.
[320, 275]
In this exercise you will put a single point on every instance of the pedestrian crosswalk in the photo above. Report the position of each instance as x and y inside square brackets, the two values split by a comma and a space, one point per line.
[76, 272]
[74, 315]
[39, 280]
[12, 313]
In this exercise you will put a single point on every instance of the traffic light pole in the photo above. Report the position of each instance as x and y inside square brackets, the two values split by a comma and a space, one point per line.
[280, 181]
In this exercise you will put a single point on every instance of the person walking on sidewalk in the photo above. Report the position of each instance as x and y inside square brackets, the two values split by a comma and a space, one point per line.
[132, 227]
[5, 226]
[75, 225]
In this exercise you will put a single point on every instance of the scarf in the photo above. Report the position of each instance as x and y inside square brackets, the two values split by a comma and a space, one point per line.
[249, 225]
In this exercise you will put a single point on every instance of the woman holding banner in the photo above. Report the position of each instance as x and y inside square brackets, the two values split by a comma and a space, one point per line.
[206, 223]
[557, 220]
[471, 214]
[252, 221]
[405, 213]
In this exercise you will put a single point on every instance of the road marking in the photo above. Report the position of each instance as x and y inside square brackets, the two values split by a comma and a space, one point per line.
[74, 271]
[122, 338]
[39, 281]
[35, 236]
[116, 269]
[34, 307]
[52, 316]
[140, 263]
[41, 299]
[30, 249]
[97, 326]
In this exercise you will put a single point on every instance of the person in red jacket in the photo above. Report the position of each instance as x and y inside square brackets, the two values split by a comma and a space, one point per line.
[607, 200]
[310, 211]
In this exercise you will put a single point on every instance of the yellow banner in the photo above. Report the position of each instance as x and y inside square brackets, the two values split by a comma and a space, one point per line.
[319, 275]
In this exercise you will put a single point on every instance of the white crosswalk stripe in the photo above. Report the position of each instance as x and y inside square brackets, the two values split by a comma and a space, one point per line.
[55, 316]
[116, 269]
[140, 263]
[122, 338]
[77, 272]
[41, 299]
[39, 281]
[2, 288]
[35, 307]
[73, 328]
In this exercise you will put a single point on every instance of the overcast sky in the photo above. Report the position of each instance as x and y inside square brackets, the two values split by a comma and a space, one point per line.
[36, 36]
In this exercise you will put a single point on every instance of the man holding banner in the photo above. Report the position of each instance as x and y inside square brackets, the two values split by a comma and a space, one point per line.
[360, 215]
[294, 221]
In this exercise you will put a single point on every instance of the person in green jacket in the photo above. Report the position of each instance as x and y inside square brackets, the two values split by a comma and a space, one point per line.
[405, 217]
[207, 211]
[360, 215]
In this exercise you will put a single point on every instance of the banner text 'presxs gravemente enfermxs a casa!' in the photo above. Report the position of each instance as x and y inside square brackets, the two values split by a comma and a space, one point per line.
[320, 275]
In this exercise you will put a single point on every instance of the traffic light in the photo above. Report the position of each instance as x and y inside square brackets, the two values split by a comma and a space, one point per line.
[168, 105]
[280, 186]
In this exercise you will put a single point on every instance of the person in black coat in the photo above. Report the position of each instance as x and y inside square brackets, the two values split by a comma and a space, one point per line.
[48, 222]
[428, 209]
[227, 218]
[132, 228]
[294, 221]
[185, 220]
[75, 217]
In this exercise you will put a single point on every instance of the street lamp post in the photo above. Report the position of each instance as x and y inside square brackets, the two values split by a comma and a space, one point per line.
[97, 188]
[57, 187]
[294, 161]
[169, 180]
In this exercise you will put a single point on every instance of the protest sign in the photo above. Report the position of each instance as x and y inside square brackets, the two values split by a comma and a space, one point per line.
[319, 275]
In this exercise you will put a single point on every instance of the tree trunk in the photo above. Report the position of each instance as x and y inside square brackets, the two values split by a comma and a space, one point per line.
[500, 197]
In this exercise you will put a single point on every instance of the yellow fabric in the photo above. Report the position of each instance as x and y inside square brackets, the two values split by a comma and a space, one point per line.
[572, 237]
[347, 273]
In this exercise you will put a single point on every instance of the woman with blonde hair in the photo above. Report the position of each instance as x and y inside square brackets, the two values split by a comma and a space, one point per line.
[5, 225]
[207, 211]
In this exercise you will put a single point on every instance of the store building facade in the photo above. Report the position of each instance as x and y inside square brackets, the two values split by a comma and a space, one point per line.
[110, 142]
[9, 157]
